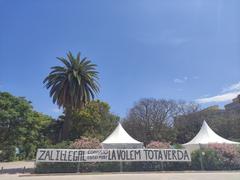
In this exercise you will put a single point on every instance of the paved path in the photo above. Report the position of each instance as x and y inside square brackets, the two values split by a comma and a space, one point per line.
[14, 170]
[133, 176]
[16, 167]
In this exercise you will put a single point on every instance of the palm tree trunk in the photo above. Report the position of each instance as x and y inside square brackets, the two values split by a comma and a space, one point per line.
[67, 124]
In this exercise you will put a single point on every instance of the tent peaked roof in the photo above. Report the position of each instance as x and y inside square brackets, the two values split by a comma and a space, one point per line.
[120, 136]
[206, 136]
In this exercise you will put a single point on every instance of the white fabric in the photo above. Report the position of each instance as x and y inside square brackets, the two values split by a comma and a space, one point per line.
[206, 136]
[121, 139]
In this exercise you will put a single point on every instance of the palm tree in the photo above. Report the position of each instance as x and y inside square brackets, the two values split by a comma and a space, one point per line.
[72, 86]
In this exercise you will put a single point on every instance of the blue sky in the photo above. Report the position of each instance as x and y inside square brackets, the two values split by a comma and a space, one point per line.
[169, 49]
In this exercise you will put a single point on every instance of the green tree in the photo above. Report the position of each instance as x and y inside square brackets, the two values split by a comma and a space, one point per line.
[33, 134]
[95, 121]
[13, 112]
[20, 127]
[224, 122]
[155, 117]
[72, 86]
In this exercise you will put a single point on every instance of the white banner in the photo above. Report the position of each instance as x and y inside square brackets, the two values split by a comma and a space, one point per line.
[109, 155]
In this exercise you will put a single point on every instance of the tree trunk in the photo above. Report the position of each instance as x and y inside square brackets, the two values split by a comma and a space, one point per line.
[66, 125]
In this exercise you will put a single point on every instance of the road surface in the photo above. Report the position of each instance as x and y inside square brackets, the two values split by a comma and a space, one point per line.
[131, 176]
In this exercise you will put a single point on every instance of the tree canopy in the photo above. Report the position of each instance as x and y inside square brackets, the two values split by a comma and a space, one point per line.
[72, 85]
[95, 120]
[155, 118]
[21, 128]
[224, 122]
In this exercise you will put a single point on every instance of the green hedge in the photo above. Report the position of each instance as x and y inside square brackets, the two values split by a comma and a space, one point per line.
[8, 153]
[206, 160]
[110, 167]
[63, 167]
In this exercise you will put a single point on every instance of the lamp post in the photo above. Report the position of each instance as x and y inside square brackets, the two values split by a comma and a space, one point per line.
[121, 166]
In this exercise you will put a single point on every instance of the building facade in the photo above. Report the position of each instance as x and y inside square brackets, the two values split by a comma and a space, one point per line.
[235, 105]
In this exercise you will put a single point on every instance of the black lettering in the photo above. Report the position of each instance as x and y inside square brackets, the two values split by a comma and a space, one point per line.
[81, 156]
[179, 154]
[48, 155]
[70, 155]
[155, 154]
[174, 155]
[112, 155]
[57, 158]
[63, 155]
[169, 154]
[109, 157]
[41, 155]
[131, 155]
[160, 157]
[186, 157]
[146, 154]
[138, 154]
[75, 157]
[150, 154]
[121, 154]
[165, 154]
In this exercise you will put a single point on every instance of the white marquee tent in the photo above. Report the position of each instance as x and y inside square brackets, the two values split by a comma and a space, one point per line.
[120, 139]
[204, 137]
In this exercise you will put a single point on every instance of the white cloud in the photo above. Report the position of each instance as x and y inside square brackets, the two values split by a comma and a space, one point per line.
[227, 94]
[184, 79]
[233, 87]
[219, 98]
[178, 80]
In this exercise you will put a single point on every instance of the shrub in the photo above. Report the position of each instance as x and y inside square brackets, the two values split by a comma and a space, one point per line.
[61, 145]
[177, 146]
[86, 143]
[209, 158]
[158, 145]
[58, 167]
[8, 153]
[228, 154]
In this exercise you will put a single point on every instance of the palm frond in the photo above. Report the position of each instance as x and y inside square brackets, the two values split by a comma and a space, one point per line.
[75, 83]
